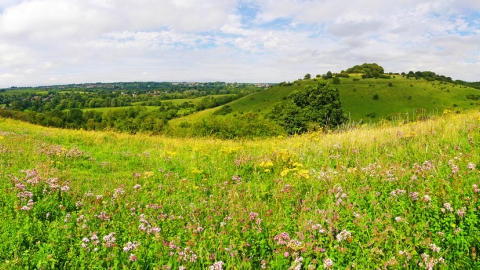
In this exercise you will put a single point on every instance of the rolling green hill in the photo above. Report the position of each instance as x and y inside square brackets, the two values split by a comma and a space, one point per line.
[396, 97]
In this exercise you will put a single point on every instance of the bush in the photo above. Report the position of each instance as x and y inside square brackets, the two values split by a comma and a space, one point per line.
[319, 105]
[375, 97]
[223, 110]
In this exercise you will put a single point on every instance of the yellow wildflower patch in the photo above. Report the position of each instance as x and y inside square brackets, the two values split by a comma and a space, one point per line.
[196, 171]
[266, 164]
[148, 174]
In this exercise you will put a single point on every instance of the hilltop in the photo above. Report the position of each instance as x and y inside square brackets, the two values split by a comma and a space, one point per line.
[368, 100]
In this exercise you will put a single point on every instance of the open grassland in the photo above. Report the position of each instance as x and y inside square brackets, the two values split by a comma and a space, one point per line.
[188, 100]
[104, 109]
[22, 91]
[396, 97]
[391, 197]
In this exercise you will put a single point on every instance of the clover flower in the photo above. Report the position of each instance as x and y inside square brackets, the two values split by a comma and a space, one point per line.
[343, 235]
[217, 266]
[130, 246]
[327, 263]
[448, 207]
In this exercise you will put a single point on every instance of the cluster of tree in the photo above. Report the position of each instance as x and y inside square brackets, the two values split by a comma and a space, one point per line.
[427, 75]
[303, 110]
[130, 119]
[214, 101]
[473, 97]
[469, 84]
[372, 70]
[138, 87]
[60, 100]
[432, 76]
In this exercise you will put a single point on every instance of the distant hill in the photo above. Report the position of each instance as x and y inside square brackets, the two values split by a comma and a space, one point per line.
[367, 100]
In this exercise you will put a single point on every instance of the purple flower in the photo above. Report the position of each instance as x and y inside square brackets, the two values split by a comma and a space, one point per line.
[253, 215]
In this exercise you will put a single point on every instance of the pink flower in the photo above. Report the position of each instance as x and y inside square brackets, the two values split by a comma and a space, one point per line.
[327, 263]
[217, 266]
[130, 246]
[133, 258]
[282, 239]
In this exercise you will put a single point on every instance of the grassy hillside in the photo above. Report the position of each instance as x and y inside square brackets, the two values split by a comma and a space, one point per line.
[385, 197]
[403, 96]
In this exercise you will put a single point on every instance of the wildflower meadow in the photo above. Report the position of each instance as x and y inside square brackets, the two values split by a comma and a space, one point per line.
[389, 196]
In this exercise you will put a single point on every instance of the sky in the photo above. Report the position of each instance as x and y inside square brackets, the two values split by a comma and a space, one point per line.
[48, 42]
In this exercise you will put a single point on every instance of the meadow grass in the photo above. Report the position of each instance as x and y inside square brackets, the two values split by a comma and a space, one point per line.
[104, 109]
[384, 196]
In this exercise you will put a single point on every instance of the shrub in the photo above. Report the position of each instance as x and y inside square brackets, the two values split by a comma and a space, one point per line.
[320, 104]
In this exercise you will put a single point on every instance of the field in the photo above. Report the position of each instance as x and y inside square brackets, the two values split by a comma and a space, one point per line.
[104, 109]
[405, 98]
[385, 196]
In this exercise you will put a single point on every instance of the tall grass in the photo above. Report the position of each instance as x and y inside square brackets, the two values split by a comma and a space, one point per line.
[390, 196]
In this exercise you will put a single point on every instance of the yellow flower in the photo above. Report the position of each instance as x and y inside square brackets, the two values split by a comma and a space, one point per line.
[303, 174]
[266, 164]
[296, 164]
[148, 174]
[196, 171]
[284, 172]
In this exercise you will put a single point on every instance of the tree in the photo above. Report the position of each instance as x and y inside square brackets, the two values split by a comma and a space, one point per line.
[315, 105]
[336, 80]
[307, 76]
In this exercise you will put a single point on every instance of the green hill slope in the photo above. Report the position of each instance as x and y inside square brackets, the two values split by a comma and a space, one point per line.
[395, 97]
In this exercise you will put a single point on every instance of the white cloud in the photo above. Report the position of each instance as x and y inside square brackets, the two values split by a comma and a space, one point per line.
[44, 20]
[62, 41]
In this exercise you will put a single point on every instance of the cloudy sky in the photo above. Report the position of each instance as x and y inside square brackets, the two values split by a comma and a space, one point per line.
[44, 42]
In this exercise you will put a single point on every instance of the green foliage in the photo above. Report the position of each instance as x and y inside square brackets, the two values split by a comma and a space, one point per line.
[247, 125]
[336, 80]
[223, 110]
[307, 76]
[318, 105]
[372, 70]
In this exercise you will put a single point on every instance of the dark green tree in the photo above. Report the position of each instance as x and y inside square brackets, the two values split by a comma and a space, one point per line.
[307, 76]
[314, 106]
